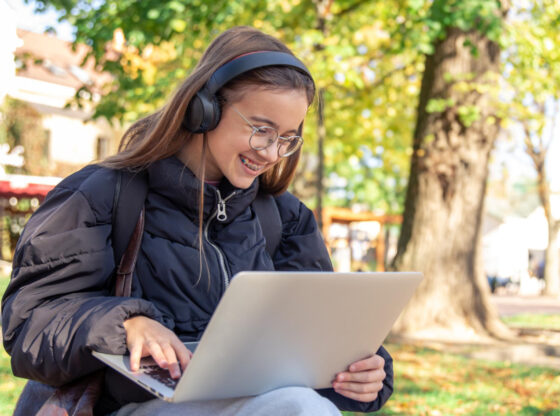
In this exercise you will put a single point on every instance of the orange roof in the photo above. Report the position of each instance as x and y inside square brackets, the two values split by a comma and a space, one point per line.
[59, 63]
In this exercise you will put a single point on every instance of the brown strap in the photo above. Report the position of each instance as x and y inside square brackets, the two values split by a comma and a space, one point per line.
[123, 281]
[77, 398]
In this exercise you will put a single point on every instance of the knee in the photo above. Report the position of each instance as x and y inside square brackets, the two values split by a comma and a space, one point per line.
[301, 401]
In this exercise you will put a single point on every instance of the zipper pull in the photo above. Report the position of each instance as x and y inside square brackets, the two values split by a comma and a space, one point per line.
[221, 215]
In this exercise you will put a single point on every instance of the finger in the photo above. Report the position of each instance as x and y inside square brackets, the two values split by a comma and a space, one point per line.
[370, 376]
[361, 397]
[183, 354]
[171, 358]
[370, 363]
[157, 354]
[361, 388]
[135, 355]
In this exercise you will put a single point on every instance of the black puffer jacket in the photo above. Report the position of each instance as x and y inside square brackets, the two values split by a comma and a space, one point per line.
[57, 307]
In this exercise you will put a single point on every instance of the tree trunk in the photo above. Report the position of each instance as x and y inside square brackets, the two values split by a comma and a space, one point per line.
[551, 260]
[323, 10]
[321, 133]
[441, 228]
[552, 263]
[538, 151]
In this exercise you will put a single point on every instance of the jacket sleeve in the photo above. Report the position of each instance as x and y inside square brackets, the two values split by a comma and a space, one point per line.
[302, 248]
[57, 307]
[344, 403]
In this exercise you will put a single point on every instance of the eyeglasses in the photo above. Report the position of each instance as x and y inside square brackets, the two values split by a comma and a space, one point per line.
[264, 136]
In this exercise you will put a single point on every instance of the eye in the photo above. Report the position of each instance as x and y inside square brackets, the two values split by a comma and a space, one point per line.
[289, 144]
[266, 134]
[263, 131]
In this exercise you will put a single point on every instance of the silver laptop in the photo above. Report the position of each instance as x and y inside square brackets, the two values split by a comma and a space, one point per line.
[277, 329]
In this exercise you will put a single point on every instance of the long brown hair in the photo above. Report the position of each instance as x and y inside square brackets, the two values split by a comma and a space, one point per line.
[161, 134]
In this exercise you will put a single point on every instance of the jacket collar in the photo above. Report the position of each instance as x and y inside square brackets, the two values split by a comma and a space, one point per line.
[171, 179]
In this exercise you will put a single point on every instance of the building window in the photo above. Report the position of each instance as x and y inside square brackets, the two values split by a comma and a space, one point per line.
[102, 150]
[46, 146]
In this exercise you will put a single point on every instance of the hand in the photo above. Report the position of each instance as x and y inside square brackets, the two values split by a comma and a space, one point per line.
[147, 337]
[363, 380]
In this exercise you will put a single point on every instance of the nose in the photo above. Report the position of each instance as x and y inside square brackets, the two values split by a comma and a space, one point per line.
[269, 154]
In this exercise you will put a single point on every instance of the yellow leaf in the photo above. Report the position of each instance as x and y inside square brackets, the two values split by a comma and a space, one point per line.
[178, 25]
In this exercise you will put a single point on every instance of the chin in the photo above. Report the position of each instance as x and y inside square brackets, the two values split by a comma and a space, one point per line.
[242, 183]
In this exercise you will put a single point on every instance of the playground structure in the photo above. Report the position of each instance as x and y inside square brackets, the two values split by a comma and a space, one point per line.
[379, 240]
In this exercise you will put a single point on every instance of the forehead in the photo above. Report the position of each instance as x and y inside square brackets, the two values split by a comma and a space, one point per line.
[283, 106]
[239, 92]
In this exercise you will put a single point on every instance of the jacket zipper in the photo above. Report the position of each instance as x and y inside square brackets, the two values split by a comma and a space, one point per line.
[221, 215]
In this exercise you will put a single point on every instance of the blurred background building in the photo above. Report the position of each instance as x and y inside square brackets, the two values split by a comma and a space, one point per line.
[45, 74]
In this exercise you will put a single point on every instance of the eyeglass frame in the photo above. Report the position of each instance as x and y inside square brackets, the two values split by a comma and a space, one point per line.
[277, 140]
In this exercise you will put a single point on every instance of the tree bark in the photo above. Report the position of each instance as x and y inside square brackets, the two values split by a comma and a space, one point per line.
[441, 228]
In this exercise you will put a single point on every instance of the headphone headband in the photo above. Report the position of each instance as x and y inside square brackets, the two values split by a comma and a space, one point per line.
[203, 112]
[248, 62]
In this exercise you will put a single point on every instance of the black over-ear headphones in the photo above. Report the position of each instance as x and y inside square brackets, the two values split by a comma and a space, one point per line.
[203, 113]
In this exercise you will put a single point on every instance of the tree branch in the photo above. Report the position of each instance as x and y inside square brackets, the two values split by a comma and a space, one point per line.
[351, 8]
[379, 81]
[391, 73]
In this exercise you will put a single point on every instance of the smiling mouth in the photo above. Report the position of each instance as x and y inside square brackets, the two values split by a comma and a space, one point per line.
[251, 164]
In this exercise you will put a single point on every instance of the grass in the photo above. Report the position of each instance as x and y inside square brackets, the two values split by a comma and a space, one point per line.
[10, 386]
[4, 280]
[428, 382]
[431, 383]
[527, 320]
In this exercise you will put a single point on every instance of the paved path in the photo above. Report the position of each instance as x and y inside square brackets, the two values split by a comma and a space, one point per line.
[512, 305]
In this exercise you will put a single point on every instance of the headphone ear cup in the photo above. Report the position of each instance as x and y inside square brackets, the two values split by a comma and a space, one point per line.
[203, 113]
[194, 115]
[214, 115]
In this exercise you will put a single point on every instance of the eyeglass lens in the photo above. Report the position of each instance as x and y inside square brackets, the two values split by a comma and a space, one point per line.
[264, 136]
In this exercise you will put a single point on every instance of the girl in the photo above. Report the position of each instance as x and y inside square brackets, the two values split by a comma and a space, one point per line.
[232, 129]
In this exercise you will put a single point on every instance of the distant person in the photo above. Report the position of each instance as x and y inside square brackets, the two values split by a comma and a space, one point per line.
[207, 153]
[540, 269]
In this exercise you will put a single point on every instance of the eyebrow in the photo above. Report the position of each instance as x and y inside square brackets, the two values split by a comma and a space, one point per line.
[269, 122]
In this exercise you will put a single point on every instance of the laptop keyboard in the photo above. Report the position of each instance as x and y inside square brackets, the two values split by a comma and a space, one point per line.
[160, 374]
[149, 367]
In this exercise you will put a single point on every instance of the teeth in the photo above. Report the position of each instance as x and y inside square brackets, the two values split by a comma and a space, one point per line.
[250, 165]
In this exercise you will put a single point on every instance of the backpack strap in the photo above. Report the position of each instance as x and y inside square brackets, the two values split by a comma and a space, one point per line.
[268, 215]
[127, 225]
[130, 193]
